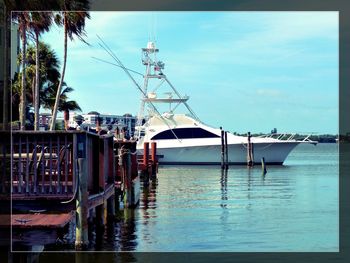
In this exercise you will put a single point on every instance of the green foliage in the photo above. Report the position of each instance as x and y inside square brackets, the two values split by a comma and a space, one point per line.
[49, 78]
[48, 72]
[59, 125]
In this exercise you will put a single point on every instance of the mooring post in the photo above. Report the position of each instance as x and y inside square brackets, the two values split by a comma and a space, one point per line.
[226, 151]
[154, 159]
[222, 148]
[249, 151]
[119, 192]
[146, 160]
[81, 230]
[116, 199]
[111, 208]
[101, 216]
[146, 153]
[128, 184]
[263, 166]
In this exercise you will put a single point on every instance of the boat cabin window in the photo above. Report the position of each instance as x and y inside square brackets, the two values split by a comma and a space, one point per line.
[184, 133]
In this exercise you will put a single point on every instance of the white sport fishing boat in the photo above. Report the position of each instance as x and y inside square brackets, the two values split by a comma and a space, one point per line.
[184, 139]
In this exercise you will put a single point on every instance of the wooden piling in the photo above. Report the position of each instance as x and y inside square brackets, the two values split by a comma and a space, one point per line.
[249, 151]
[263, 166]
[146, 176]
[111, 208]
[222, 149]
[226, 151]
[146, 153]
[154, 152]
[128, 182]
[81, 230]
[154, 159]
[117, 199]
[101, 216]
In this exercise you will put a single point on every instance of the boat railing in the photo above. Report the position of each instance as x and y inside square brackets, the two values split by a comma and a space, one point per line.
[288, 136]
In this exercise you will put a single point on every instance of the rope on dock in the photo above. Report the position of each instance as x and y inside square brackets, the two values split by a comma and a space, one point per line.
[76, 187]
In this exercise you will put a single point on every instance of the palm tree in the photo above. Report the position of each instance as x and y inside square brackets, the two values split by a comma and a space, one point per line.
[49, 76]
[48, 73]
[73, 24]
[22, 19]
[39, 23]
[64, 105]
[67, 106]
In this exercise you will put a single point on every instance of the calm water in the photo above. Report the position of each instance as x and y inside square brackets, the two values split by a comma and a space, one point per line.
[198, 208]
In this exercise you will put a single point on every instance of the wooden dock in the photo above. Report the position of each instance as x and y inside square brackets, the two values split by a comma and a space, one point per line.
[41, 221]
[64, 177]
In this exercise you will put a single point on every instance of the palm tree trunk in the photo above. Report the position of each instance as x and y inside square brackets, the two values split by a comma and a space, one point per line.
[5, 116]
[36, 97]
[55, 109]
[22, 111]
[66, 119]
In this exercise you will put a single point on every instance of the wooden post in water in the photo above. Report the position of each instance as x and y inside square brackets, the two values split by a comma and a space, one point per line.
[249, 151]
[146, 153]
[226, 151]
[119, 192]
[101, 217]
[111, 208]
[81, 230]
[154, 159]
[146, 160]
[117, 200]
[263, 166]
[222, 149]
[128, 198]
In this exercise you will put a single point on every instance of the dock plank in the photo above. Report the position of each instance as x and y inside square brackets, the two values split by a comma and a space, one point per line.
[41, 220]
[38, 197]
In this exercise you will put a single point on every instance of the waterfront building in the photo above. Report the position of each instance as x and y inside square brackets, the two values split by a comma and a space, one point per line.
[44, 121]
[107, 121]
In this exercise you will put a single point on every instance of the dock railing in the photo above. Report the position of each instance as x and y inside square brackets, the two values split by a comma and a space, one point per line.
[44, 164]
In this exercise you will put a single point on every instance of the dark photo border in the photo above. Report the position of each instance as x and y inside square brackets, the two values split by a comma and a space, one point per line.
[342, 6]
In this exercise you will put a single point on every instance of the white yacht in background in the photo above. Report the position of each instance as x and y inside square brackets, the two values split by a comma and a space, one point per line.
[184, 139]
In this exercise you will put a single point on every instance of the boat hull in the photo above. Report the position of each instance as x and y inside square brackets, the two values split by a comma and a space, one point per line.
[273, 153]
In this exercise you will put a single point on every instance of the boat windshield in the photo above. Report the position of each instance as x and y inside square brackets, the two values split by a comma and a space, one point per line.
[184, 133]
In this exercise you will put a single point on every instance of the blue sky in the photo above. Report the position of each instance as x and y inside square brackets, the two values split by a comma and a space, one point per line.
[245, 71]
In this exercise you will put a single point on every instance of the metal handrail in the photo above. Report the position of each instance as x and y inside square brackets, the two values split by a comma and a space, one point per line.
[286, 136]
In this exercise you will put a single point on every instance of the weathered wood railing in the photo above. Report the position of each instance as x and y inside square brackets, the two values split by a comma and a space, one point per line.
[42, 163]
[45, 163]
